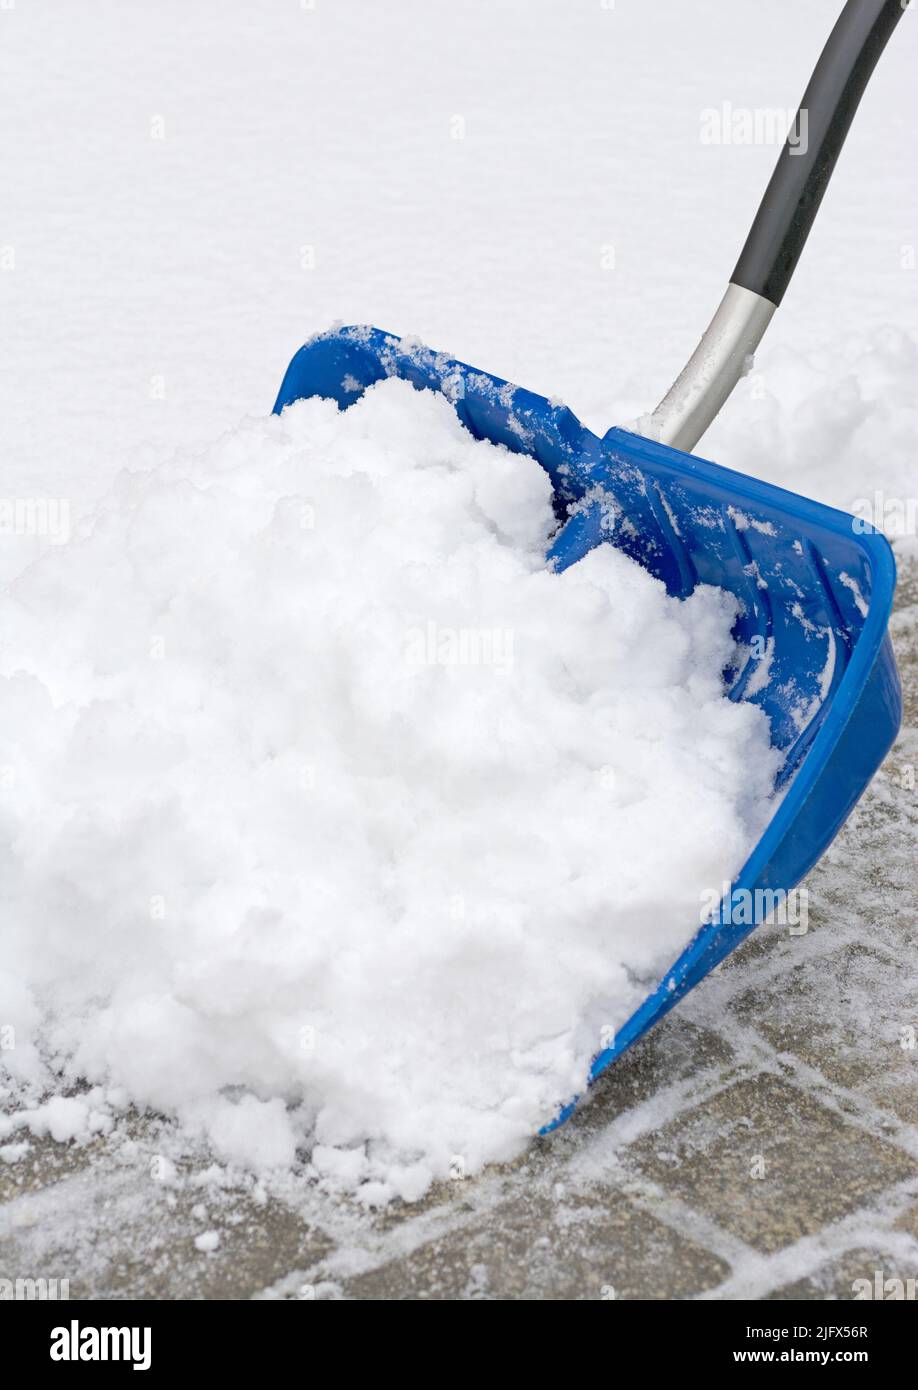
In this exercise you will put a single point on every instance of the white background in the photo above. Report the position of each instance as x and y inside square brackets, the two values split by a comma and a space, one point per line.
[180, 258]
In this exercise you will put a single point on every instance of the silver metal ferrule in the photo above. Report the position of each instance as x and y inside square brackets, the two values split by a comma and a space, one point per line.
[720, 359]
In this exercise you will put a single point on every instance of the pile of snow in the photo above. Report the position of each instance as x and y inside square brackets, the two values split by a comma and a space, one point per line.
[839, 425]
[333, 823]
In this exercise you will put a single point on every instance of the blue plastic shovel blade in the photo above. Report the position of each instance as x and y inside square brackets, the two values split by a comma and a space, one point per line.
[815, 587]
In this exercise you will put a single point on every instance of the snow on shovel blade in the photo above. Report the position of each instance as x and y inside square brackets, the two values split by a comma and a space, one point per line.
[814, 585]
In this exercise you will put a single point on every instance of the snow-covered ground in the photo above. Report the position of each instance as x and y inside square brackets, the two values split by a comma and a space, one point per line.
[192, 189]
[189, 190]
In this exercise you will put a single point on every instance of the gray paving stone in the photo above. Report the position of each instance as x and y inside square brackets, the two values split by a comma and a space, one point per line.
[816, 1167]
[598, 1248]
[114, 1232]
[44, 1163]
[908, 1222]
[838, 1279]
[673, 1051]
[853, 1015]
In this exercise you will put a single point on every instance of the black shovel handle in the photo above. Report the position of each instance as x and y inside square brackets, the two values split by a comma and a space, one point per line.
[786, 212]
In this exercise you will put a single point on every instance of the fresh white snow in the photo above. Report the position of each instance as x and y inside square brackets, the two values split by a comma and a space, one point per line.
[341, 823]
[192, 190]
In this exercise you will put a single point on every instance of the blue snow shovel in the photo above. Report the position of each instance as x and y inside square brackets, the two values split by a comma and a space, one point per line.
[814, 585]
